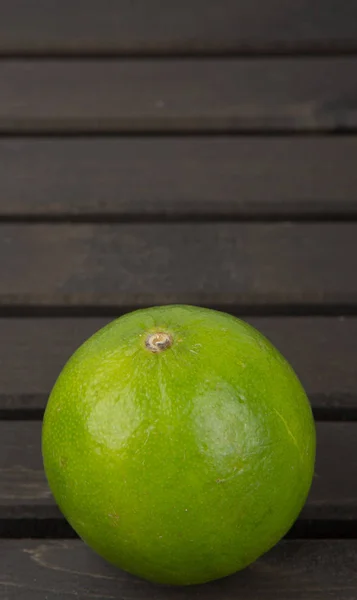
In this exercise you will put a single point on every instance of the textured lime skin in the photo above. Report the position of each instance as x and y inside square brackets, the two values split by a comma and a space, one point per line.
[181, 466]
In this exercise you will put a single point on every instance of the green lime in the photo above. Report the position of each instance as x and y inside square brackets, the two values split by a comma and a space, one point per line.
[179, 444]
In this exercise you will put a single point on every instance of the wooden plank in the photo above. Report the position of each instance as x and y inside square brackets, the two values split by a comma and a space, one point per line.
[301, 569]
[178, 177]
[322, 350]
[235, 265]
[159, 27]
[24, 492]
[177, 95]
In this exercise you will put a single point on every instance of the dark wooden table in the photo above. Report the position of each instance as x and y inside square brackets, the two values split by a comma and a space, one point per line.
[189, 151]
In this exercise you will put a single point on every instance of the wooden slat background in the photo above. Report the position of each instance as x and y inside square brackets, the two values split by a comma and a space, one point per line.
[176, 177]
[175, 26]
[226, 264]
[306, 570]
[196, 95]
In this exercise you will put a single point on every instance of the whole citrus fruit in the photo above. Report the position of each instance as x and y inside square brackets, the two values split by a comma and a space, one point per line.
[179, 444]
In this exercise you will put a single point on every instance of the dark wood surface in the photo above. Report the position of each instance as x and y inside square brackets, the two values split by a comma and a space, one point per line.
[305, 570]
[145, 95]
[175, 26]
[24, 492]
[178, 177]
[225, 264]
[323, 351]
[195, 151]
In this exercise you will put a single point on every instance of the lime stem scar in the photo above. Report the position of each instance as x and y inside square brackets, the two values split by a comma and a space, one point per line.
[158, 341]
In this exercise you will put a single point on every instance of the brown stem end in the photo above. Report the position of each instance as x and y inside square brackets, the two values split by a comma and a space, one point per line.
[158, 341]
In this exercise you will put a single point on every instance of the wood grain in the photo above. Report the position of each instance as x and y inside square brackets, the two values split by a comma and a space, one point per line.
[159, 27]
[232, 265]
[321, 350]
[24, 492]
[217, 95]
[298, 570]
[175, 177]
